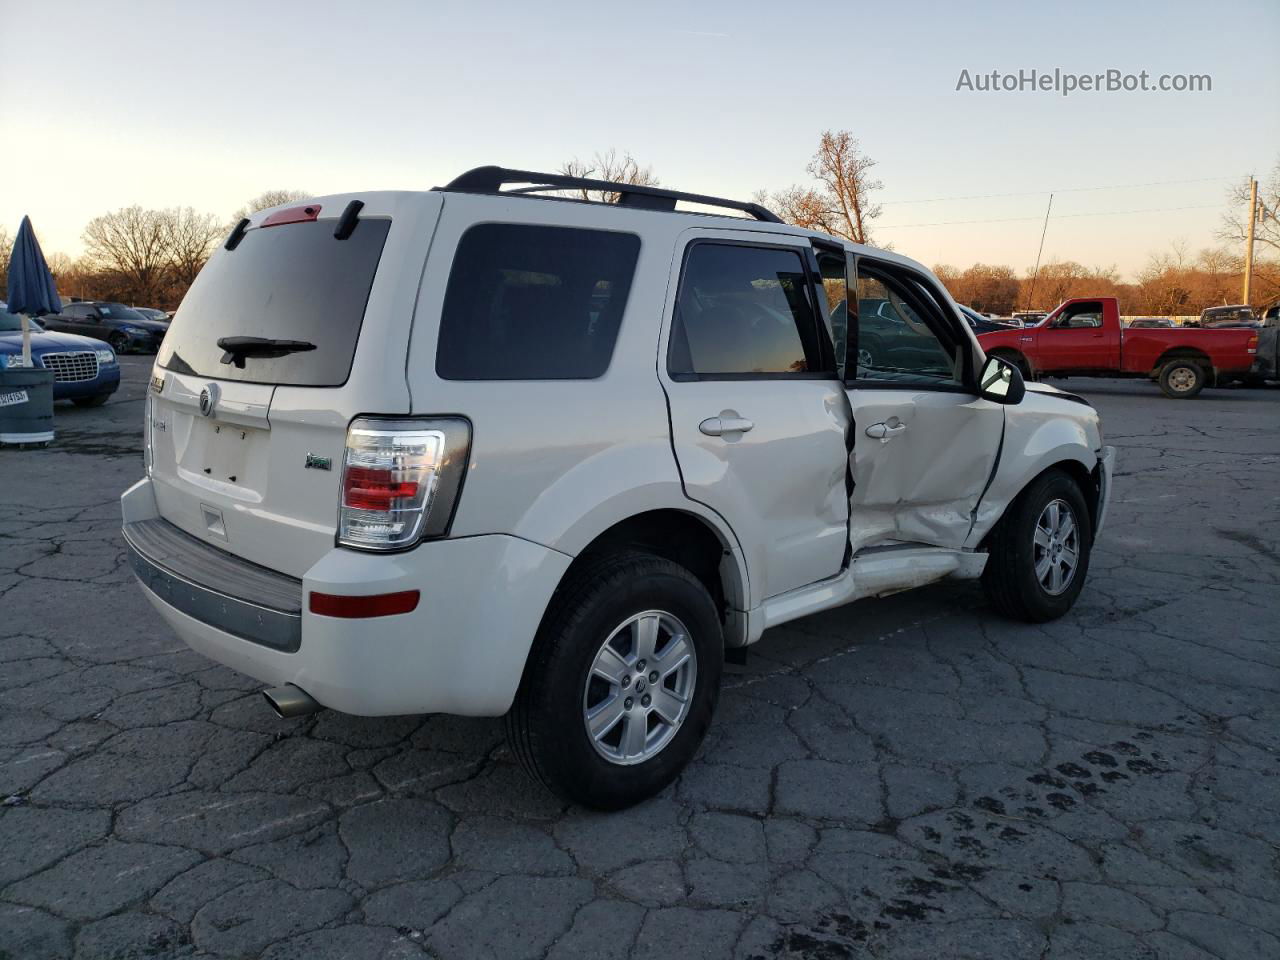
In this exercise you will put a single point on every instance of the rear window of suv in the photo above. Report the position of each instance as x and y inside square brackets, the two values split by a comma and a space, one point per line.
[291, 282]
[529, 302]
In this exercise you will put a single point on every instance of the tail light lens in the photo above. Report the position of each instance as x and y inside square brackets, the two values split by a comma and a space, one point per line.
[400, 480]
[1253, 344]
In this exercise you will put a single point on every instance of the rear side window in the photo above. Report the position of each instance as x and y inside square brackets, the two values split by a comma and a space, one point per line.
[529, 302]
[742, 311]
[292, 282]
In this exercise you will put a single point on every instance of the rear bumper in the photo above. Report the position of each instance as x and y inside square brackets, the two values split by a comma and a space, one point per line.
[461, 651]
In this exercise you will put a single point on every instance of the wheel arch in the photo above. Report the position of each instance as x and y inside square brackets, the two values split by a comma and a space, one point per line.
[1183, 353]
[691, 538]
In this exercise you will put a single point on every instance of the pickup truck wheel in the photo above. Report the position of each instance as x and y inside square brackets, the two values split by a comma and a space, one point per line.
[1039, 551]
[1181, 379]
[621, 682]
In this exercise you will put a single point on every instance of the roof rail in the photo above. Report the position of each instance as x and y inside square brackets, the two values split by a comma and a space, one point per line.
[492, 179]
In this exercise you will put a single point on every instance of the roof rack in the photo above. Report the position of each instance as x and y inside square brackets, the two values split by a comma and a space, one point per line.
[492, 179]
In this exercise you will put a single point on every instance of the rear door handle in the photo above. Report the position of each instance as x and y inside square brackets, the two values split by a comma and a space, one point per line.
[719, 426]
[884, 431]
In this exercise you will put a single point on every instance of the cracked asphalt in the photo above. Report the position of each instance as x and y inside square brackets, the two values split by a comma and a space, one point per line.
[910, 777]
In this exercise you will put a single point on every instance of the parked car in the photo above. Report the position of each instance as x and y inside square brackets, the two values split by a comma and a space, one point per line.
[151, 313]
[1238, 315]
[1083, 337]
[979, 322]
[123, 327]
[1028, 318]
[85, 370]
[1150, 323]
[412, 453]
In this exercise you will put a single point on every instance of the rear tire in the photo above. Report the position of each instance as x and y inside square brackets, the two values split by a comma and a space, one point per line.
[563, 689]
[1019, 578]
[1182, 379]
[97, 400]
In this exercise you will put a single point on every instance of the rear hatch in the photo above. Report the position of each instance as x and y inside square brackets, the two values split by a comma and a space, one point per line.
[245, 443]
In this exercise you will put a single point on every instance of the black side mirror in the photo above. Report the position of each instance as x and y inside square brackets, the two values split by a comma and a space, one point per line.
[1001, 382]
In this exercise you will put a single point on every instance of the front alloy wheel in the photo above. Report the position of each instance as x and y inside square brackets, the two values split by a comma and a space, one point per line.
[1038, 554]
[640, 687]
[1056, 547]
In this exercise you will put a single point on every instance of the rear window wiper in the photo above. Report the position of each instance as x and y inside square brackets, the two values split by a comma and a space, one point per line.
[237, 348]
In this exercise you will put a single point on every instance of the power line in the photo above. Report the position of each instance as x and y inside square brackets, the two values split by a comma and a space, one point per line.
[1060, 216]
[1038, 193]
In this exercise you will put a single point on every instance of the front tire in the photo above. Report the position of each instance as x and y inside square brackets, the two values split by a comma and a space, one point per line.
[1039, 551]
[1182, 379]
[606, 714]
[119, 343]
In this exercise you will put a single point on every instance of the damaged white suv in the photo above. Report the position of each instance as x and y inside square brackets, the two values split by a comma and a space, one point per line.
[492, 451]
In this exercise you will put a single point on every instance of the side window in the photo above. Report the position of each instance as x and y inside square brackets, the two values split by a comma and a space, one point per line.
[530, 302]
[1079, 316]
[902, 335]
[744, 310]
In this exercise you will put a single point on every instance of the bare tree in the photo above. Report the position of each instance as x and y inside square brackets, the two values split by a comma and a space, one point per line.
[190, 238]
[269, 198]
[609, 166]
[841, 204]
[132, 243]
[1235, 222]
[6, 251]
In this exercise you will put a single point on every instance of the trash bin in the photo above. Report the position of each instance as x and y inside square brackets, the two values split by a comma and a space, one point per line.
[26, 405]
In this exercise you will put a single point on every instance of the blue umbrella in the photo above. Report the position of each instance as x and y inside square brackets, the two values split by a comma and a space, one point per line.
[31, 289]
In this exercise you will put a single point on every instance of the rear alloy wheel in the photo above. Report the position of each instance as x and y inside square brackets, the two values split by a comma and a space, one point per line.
[621, 682]
[1182, 379]
[1039, 551]
[640, 687]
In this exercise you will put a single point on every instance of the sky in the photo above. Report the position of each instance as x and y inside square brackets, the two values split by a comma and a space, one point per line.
[207, 105]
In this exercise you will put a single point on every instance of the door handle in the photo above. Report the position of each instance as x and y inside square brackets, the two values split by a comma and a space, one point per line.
[885, 431]
[719, 426]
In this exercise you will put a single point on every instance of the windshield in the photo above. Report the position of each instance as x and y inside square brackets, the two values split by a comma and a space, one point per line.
[11, 323]
[118, 311]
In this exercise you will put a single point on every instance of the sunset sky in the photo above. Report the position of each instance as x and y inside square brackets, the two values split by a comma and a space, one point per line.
[165, 104]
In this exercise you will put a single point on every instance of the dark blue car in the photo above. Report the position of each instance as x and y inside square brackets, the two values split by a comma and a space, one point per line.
[85, 371]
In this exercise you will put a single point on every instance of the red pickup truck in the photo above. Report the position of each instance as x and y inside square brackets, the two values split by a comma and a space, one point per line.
[1084, 338]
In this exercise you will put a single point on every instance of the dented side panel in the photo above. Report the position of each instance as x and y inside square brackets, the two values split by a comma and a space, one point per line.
[921, 483]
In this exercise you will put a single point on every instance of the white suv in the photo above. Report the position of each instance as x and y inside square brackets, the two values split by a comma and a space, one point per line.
[493, 451]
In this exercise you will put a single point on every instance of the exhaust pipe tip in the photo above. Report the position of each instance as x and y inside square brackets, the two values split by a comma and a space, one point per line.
[290, 700]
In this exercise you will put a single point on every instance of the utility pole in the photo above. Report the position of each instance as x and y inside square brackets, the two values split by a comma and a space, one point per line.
[1248, 244]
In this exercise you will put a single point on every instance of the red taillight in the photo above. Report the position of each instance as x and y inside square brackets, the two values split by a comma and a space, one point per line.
[377, 605]
[1252, 345]
[373, 488]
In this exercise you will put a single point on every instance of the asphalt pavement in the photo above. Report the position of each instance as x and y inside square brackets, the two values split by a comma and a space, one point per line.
[911, 777]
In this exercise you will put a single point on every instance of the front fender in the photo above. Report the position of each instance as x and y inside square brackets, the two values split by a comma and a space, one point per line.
[1039, 433]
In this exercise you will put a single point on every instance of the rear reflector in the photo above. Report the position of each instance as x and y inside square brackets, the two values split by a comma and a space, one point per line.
[377, 605]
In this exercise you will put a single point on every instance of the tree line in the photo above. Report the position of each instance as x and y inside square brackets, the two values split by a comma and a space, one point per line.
[150, 257]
